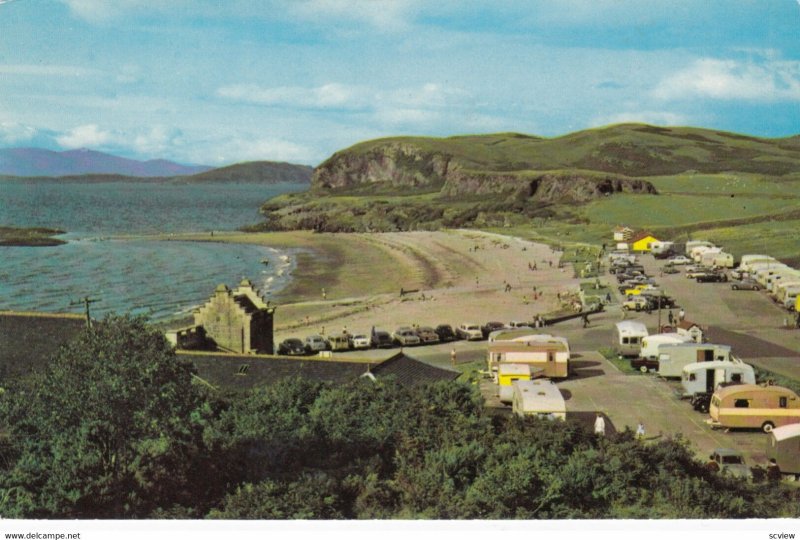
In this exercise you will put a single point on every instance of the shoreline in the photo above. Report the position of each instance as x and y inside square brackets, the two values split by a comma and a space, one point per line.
[448, 277]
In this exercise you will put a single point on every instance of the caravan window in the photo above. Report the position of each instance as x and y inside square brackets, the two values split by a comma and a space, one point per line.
[634, 340]
[783, 402]
[736, 377]
[692, 377]
[741, 403]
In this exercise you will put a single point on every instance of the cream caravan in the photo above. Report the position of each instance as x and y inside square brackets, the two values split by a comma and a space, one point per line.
[548, 353]
[539, 398]
[753, 406]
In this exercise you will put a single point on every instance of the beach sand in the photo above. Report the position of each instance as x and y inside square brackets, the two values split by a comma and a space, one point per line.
[455, 276]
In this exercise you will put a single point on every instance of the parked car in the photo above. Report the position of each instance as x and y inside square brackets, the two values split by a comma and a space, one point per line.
[739, 274]
[445, 333]
[745, 285]
[469, 331]
[635, 303]
[490, 327]
[670, 269]
[316, 343]
[697, 271]
[340, 342]
[645, 364]
[360, 341]
[381, 340]
[426, 334]
[291, 347]
[520, 324]
[730, 461]
[405, 337]
[680, 259]
[712, 277]
[665, 254]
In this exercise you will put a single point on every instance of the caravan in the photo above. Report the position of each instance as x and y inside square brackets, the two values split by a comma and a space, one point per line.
[540, 398]
[650, 344]
[753, 406]
[747, 261]
[549, 353]
[784, 447]
[628, 337]
[673, 357]
[700, 379]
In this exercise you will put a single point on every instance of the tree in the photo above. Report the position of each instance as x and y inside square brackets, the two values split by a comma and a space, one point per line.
[113, 428]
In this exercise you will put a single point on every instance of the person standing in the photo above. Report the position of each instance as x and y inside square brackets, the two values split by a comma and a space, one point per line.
[599, 426]
[640, 431]
[773, 471]
[681, 314]
[671, 318]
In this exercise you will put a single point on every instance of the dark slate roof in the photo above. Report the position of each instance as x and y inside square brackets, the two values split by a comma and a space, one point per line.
[29, 340]
[226, 370]
[410, 372]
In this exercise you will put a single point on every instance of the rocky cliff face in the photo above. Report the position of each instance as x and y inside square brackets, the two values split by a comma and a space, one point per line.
[402, 165]
[396, 164]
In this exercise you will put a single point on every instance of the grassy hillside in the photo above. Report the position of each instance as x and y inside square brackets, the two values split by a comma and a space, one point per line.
[629, 149]
[254, 172]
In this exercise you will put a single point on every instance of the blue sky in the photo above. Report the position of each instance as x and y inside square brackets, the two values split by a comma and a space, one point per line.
[216, 82]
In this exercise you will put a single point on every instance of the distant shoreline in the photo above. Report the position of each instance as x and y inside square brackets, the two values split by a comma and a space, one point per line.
[30, 237]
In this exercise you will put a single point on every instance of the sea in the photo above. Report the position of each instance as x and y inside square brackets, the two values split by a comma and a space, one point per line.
[109, 259]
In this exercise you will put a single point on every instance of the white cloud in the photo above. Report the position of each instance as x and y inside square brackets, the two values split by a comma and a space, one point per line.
[242, 148]
[388, 15]
[659, 118]
[773, 80]
[86, 136]
[158, 141]
[13, 133]
[99, 11]
[327, 96]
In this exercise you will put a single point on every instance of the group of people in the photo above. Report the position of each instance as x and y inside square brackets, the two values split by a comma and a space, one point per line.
[600, 427]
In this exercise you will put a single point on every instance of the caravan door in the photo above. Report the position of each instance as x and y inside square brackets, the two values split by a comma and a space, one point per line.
[710, 381]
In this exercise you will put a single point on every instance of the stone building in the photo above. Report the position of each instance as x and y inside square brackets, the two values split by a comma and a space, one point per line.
[238, 320]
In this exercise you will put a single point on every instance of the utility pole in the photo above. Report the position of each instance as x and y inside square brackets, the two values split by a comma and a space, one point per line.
[86, 301]
[660, 296]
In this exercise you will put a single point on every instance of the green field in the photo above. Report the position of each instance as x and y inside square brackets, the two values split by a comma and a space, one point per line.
[658, 211]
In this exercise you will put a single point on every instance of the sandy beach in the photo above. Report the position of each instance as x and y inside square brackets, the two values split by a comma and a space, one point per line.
[453, 276]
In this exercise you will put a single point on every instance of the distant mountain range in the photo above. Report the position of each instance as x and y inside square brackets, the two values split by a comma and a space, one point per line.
[35, 164]
[39, 162]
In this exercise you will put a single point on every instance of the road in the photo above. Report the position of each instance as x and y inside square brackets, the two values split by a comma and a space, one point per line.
[747, 320]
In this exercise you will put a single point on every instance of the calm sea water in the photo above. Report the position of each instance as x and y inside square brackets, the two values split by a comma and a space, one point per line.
[159, 278]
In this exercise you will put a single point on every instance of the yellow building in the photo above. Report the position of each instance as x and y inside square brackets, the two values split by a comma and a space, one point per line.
[643, 241]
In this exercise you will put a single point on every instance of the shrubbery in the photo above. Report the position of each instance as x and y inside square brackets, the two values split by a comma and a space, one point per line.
[116, 429]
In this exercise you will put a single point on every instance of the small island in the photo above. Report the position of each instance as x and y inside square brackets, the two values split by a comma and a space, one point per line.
[29, 237]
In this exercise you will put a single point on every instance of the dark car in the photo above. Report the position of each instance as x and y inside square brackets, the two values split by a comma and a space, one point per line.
[381, 340]
[665, 254]
[490, 327]
[712, 277]
[292, 347]
[445, 333]
[427, 335]
[644, 364]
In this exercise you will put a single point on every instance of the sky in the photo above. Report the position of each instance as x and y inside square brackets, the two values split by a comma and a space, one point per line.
[217, 82]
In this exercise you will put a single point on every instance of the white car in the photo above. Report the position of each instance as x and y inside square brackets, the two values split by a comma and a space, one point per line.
[360, 341]
[405, 336]
[316, 343]
[680, 259]
[469, 331]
